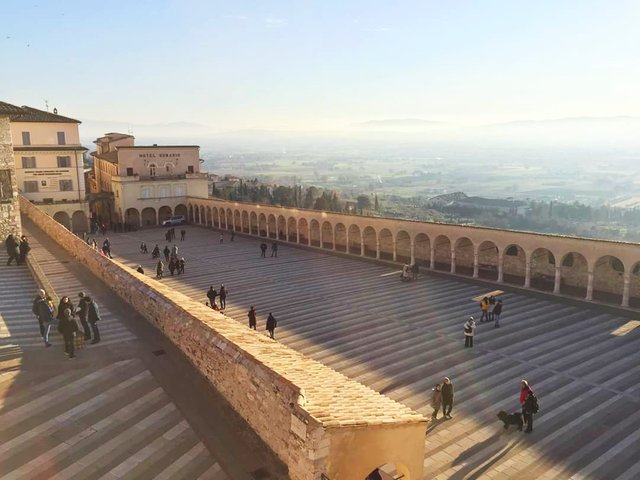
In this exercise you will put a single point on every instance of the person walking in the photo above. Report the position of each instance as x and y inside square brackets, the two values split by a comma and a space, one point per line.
[143, 247]
[93, 316]
[274, 249]
[159, 269]
[68, 328]
[211, 295]
[233, 235]
[181, 264]
[447, 397]
[106, 248]
[13, 249]
[81, 309]
[272, 323]
[497, 311]
[484, 307]
[182, 235]
[469, 329]
[492, 305]
[263, 249]
[155, 253]
[174, 251]
[529, 404]
[221, 238]
[173, 265]
[44, 313]
[223, 297]
[436, 400]
[166, 252]
[65, 304]
[24, 248]
[252, 317]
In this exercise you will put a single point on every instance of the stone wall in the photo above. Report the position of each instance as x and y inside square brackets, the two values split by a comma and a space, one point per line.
[315, 419]
[9, 208]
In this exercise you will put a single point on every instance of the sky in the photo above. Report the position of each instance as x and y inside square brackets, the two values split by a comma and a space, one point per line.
[321, 65]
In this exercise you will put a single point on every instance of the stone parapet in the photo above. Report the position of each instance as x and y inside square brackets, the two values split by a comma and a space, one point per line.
[317, 420]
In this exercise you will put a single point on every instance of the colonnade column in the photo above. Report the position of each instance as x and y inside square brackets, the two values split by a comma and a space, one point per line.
[268, 236]
[527, 275]
[377, 249]
[362, 244]
[625, 289]
[500, 267]
[556, 281]
[395, 248]
[453, 261]
[589, 286]
[432, 258]
[321, 238]
[475, 265]
[287, 235]
[233, 223]
[334, 239]
[348, 245]
[413, 252]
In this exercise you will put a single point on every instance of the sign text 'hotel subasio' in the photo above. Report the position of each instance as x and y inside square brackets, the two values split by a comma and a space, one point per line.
[159, 155]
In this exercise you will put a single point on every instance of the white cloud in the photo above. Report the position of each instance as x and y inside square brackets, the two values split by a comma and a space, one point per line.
[275, 21]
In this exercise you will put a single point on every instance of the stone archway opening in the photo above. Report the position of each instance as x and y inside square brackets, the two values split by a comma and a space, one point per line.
[341, 237]
[181, 210]
[574, 275]
[543, 270]
[237, 218]
[196, 214]
[63, 219]
[282, 228]
[190, 213]
[223, 218]
[488, 261]
[246, 226]
[292, 229]
[634, 286]
[608, 280]
[80, 224]
[385, 237]
[149, 218]
[303, 229]
[442, 253]
[229, 219]
[464, 256]
[355, 239]
[209, 218]
[262, 225]
[403, 247]
[314, 233]
[514, 265]
[369, 237]
[164, 213]
[327, 236]
[203, 219]
[273, 226]
[254, 223]
[215, 217]
[422, 250]
[132, 218]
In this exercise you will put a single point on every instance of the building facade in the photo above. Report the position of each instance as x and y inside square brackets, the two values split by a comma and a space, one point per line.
[49, 164]
[9, 208]
[141, 186]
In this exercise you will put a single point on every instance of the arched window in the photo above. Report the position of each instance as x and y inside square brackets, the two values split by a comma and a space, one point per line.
[152, 169]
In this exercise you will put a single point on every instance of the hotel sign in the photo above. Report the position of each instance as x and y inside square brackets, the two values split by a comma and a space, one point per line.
[158, 155]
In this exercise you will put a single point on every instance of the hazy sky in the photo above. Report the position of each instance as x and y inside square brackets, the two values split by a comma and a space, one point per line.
[322, 64]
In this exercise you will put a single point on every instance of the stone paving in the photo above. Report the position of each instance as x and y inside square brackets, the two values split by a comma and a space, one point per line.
[402, 338]
[128, 407]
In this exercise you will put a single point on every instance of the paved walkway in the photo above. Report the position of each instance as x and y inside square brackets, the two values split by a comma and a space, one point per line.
[128, 407]
[401, 339]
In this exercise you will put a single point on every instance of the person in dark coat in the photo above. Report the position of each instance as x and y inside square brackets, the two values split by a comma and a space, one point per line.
[44, 312]
[13, 249]
[211, 295]
[143, 248]
[106, 248]
[64, 304]
[469, 330]
[93, 316]
[182, 234]
[159, 269]
[173, 265]
[181, 264]
[155, 253]
[68, 328]
[263, 249]
[252, 317]
[81, 310]
[166, 252]
[436, 400]
[167, 236]
[272, 323]
[497, 311]
[447, 397]
[140, 269]
[223, 297]
[24, 248]
[527, 400]
[274, 249]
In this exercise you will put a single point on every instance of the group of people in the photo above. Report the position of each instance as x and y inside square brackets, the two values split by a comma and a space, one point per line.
[274, 249]
[271, 323]
[409, 272]
[491, 309]
[17, 248]
[213, 294]
[170, 235]
[175, 264]
[86, 311]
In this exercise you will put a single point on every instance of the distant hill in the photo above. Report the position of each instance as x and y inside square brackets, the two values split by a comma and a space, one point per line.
[400, 123]
[570, 122]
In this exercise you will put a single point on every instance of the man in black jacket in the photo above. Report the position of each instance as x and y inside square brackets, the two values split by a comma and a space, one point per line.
[43, 311]
[447, 397]
[13, 249]
[272, 323]
[81, 310]
[93, 316]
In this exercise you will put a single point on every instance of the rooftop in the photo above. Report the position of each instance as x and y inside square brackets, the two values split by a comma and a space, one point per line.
[30, 114]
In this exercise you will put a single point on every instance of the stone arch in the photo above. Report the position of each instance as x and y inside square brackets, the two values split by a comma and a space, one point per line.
[314, 233]
[340, 239]
[369, 237]
[164, 213]
[608, 279]
[229, 219]
[355, 240]
[149, 218]
[132, 218]
[488, 258]
[282, 228]
[273, 226]
[403, 247]
[303, 229]
[223, 217]
[514, 264]
[190, 213]
[422, 249]
[327, 235]
[216, 217]
[442, 253]
[246, 226]
[574, 275]
[543, 269]
[237, 219]
[180, 210]
[203, 219]
[209, 219]
[464, 253]
[80, 224]
[292, 230]
[634, 286]
[262, 225]
[196, 214]
[385, 241]
[253, 226]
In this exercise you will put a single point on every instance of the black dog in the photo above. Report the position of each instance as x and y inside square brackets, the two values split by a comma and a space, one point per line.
[511, 419]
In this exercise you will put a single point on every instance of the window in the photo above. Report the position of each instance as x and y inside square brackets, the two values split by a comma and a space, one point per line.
[129, 172]
[146, 192]
[190, 169]
[28, 162]
[179, 191]
[152, 169]
[26, 138]
[61, 139]
[64, 162]
[30, 186]
[6, 192]
[164, 191]
[169, 168]
[66, 185]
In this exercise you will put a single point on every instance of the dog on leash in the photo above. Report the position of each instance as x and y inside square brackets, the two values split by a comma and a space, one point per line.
[514, 418]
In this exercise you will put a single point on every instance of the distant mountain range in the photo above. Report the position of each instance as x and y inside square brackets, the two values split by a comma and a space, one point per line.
[569, 122]
[400, 122]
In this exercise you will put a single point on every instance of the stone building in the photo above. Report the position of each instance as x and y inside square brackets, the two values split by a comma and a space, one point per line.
[140, 186]
[9, 208]
[49, 163]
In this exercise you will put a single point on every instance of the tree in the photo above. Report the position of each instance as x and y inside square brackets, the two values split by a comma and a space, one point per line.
[364, 203]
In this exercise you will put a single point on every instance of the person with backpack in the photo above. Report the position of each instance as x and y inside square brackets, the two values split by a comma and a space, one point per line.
[529, 403]
[497, 310]
[68, 328]
[484, 308]
[44, 312]
[469, 329]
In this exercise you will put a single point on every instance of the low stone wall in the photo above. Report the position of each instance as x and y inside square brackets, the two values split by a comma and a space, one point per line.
[318, 421]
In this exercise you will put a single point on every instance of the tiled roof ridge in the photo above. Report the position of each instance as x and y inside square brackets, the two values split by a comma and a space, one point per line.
[31, 114]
